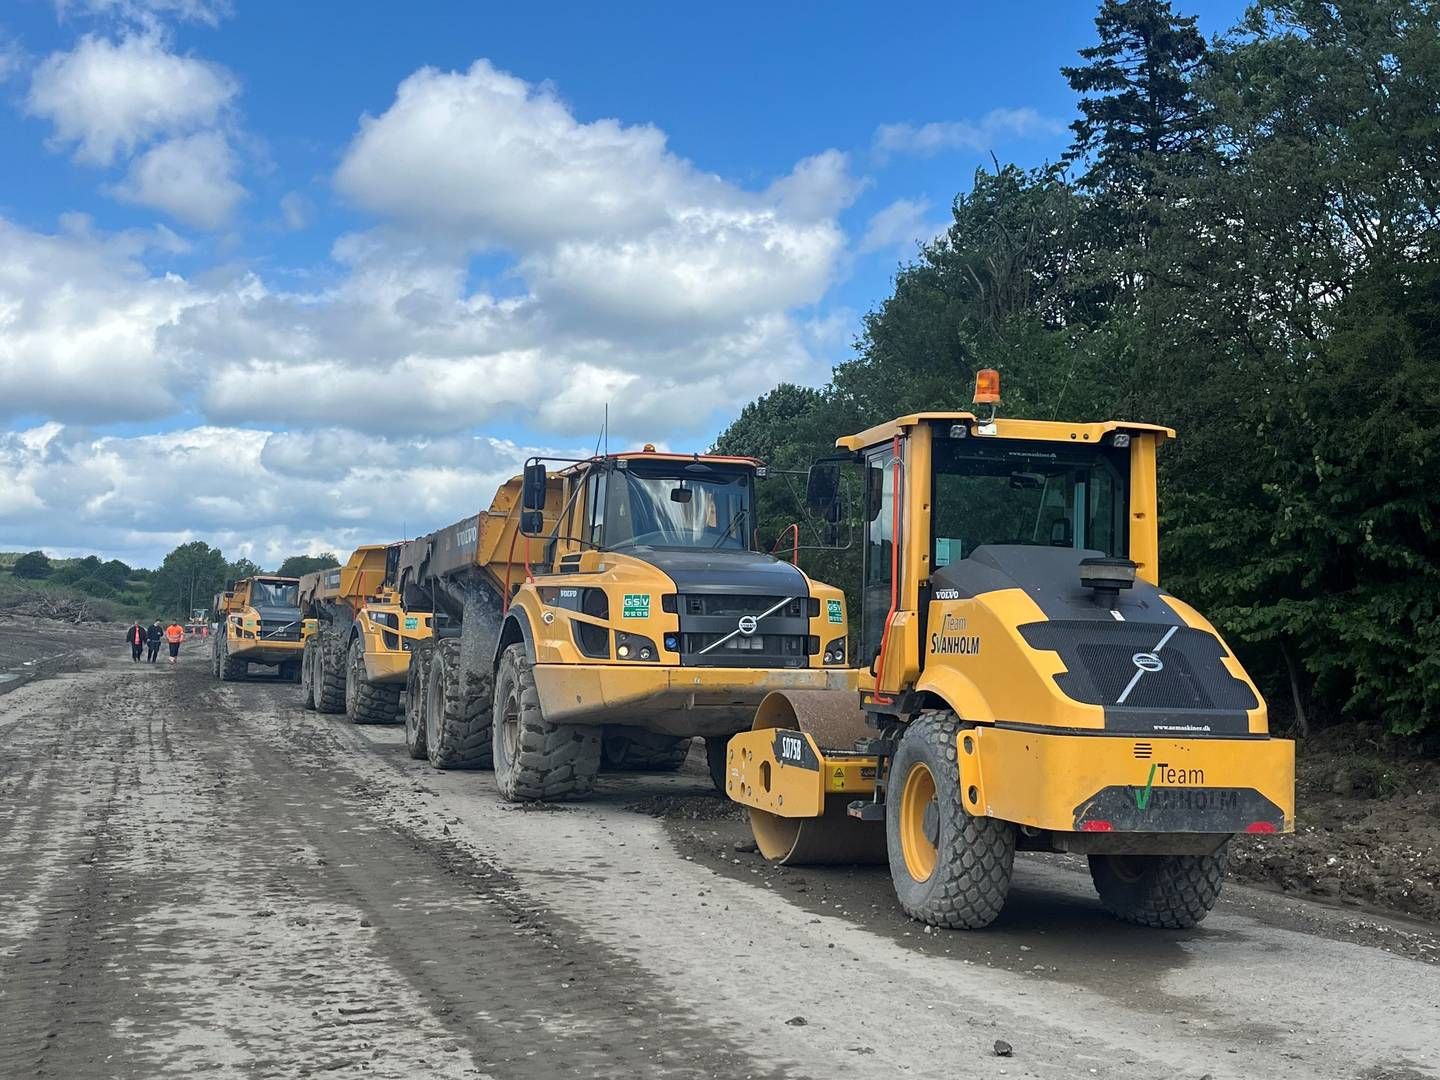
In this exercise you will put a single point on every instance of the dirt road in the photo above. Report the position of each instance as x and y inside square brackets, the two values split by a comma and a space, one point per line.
[202, 879]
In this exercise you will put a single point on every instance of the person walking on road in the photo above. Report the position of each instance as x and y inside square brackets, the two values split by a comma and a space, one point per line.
[153, 638]
[136, 637]
[174, 635]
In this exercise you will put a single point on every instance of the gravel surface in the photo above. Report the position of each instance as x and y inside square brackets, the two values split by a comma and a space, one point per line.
[201, 878]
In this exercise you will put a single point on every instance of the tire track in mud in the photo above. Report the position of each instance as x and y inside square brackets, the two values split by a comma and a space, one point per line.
[189, 890]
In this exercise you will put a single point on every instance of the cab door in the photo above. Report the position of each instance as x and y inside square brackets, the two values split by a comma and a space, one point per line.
[881, 561]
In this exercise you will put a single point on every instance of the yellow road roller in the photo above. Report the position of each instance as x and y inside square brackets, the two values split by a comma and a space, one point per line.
[1026, 684]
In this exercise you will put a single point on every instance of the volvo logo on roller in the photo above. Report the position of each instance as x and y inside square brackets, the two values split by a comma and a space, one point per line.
[748, 624]
[1146, 662]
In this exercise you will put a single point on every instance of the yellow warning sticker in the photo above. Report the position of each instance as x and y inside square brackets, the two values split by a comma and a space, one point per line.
[837, 780]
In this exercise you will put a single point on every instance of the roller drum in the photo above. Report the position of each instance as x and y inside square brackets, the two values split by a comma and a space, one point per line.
[835, 721]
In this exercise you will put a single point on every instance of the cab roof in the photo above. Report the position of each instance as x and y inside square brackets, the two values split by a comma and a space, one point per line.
[1004, 428]
[659, 456]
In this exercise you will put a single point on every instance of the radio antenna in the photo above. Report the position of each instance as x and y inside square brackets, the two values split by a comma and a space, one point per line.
[603, 439]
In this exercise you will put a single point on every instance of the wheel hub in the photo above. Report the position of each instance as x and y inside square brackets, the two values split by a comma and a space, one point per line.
[919, 822]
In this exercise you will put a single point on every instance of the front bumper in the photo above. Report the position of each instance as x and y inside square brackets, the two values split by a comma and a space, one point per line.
[1092, 783]
[261, 651]
[678, 701]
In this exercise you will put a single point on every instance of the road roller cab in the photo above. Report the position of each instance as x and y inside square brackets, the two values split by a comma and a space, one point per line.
[1026, 683]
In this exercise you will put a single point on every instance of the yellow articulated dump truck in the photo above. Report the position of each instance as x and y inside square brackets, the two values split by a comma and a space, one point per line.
[618, 599]
[257, 622]
[358, 638]
[1025, 684]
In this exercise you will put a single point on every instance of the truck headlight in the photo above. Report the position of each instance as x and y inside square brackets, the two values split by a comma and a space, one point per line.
[835, 651]
[635, 647]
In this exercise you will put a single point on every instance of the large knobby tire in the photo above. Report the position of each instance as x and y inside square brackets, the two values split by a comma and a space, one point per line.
[365, 702]
[1170, 892]
[415, 683]
[329, 672]
[231, 669]
[716, 749]
[215, 655]
[307, 675]
[642, 751]
[457, 715]
[949, 868]
[535, 759]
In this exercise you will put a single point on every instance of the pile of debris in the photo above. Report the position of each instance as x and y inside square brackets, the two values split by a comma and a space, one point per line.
[49, 606]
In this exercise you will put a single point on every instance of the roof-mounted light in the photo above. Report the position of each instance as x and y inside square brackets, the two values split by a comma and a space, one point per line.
[987, 387]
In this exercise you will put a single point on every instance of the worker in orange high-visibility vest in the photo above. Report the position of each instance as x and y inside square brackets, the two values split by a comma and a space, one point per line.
[174, 635]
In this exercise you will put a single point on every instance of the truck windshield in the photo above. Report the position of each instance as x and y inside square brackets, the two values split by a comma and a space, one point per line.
[274, 594]
[710, 509]
[1012, 491]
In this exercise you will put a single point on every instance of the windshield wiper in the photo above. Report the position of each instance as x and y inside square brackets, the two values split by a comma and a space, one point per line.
[739, 514]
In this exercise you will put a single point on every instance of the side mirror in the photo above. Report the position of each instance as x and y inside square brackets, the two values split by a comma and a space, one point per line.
[533, 497]
[822, 485]
[229, 587]
[532, 522]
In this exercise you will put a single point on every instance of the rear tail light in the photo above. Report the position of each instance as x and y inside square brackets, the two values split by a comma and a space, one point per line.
[1260, 827]
[1096, 826]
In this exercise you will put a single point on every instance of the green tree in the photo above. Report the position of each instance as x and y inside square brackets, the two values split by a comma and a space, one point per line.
[33, 565]
[1016, 283]
[297, 565]
[1136, 105]
[188, 578]
[114, 573]
[242, 568]
[1299, 269]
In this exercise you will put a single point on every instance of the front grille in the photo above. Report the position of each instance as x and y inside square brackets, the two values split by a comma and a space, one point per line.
[706, 604]
[279, 630]
[769, 645]
[1145, 668]
[780, 639]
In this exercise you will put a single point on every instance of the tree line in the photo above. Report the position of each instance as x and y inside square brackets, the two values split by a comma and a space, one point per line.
[188, 578]
[1241, 243]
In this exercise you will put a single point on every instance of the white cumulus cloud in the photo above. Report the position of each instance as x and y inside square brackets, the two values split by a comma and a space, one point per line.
[996, 126]
[902, 224]
[108, 97]
[260, 494]
[80, 325]
[189, 178]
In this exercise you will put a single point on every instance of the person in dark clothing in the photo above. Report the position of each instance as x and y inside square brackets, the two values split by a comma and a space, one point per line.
[153, 639]
[137, 637]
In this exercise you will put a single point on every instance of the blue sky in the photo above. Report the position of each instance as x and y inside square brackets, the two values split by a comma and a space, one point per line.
[286, 276]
